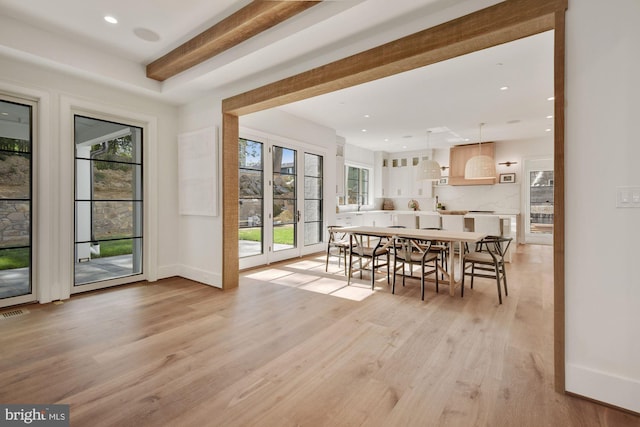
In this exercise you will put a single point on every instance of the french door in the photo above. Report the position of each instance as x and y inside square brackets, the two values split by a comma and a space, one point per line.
[16, 201]
[280, 201]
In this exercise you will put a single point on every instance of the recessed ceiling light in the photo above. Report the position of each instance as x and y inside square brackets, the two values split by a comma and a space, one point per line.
[364, 130]
[110, 19]
[404, 146]
[549, 117]
[366, 116]
[504, 88]
[386, 140]
[4, 114]
[551, 98]
[547, 130]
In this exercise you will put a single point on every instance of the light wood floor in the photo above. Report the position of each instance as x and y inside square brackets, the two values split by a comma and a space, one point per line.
[290, 348]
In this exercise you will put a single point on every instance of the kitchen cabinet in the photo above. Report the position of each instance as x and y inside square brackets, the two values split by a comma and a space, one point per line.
[365, 218]
[381, 175]
[458, 156]
[401, 177]
[420, 187]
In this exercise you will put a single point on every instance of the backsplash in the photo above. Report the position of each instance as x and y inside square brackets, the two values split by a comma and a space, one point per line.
[503, 198]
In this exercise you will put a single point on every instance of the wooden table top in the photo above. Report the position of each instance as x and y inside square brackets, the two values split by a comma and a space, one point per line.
[415, 233]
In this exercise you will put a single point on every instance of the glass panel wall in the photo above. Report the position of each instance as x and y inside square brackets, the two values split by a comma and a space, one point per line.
[16, 165]
[251, 198]
[108, 200]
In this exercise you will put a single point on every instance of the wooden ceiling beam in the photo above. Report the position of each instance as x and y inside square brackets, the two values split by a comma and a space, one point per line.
[492, 26]
[256, 17]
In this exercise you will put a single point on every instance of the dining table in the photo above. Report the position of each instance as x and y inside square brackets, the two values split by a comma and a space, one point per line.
[453, 276]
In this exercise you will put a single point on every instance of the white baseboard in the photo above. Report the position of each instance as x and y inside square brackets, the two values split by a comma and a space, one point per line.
[172, 270]
[604, 387]
[202, 276]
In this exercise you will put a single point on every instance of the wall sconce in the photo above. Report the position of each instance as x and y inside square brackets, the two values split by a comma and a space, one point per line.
[508, 163]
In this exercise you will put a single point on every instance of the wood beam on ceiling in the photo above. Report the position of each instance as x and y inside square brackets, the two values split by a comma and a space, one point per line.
[256, 17]
[504, 22]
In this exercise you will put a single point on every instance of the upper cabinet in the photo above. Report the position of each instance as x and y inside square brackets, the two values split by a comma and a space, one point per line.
[400, 177]
[458, 156]
[381, 175]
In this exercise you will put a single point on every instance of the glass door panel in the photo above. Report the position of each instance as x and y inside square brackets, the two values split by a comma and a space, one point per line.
[16, 166]
[313, 230]
[541, 202]
[285, 201]
[108, 201]
[250, 198]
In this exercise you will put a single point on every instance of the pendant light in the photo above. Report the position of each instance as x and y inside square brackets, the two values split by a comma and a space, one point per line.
[430, 168]
[480, 166]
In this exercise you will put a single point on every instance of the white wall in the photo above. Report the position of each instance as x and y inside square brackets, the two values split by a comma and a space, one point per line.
[201, 237]
[602, 151]
[57, 93]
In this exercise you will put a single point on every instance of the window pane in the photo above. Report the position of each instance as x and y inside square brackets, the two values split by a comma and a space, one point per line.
[312, 233]
[312, 188]
[7, 143]
[284, 186]
[250, 234]
[312, 210]
[115, 181]
[102, 140]
[284, 211]
[14, 272]
[312, 165]
[108, 220]
[284, 160]
[250, 183]
[283, 237]
[250, 154]
[108, 260]
[15, 223]
[250, 212]
[15, 175]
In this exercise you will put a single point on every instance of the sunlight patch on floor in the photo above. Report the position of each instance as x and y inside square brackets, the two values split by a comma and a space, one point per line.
[309, 275]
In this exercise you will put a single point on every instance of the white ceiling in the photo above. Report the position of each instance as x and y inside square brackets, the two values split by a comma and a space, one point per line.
[71, 35]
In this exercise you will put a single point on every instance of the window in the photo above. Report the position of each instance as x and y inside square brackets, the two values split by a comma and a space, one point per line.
[108, 200]
[357, 186]
[16, 203]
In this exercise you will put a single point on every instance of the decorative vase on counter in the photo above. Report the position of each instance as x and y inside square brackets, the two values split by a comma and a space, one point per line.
[413, 204]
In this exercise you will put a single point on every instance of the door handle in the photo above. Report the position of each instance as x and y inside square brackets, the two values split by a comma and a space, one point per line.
[298, 220]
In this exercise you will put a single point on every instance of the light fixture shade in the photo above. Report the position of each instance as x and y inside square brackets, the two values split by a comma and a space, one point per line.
[430, 170]
[480, 167]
